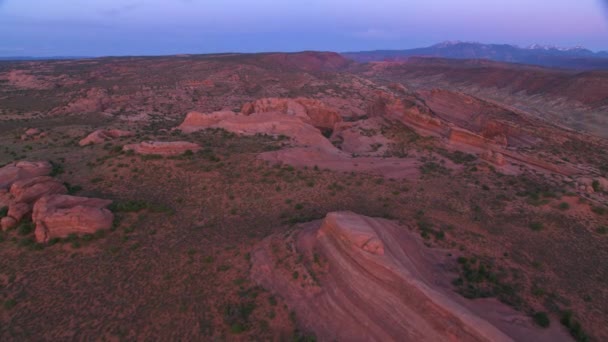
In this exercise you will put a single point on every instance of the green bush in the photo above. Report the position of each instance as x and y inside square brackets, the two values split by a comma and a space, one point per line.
[599, 210]
[541, 319]
[596, 186]
[536, 226]
[573, 326]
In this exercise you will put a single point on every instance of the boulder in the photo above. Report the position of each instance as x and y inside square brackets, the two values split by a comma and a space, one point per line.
[101, 135]
[16, 212]
[29, 190]
[22, 170]
[172, 148]
[57, 216]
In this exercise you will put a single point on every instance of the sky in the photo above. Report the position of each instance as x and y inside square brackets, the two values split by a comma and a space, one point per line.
[159, 27]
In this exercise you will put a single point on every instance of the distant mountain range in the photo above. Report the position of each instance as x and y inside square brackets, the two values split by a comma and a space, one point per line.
[549, 56]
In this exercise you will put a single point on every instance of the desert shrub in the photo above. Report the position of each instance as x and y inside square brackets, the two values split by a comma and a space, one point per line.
[136, 205]
[536, 226]
[433, 168]
[3, 212]
[151, 157]
[9, 304]
[596, 186]
[564, 206]
[72, 189]
[478, 280]
[25, 228]
[574, 327]
[236, 315]
[599, 210]
[57, 169]
[602, 230]
[299, 336]
[128, 206]
[541, 319]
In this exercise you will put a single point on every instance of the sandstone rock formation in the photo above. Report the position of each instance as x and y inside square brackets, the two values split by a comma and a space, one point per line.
[22, 170]
[196, 121]
[362, 137]
[409, 111]
[57, 216]
[32, 133]
[23, 193]
[32, 189]
[310, 111]
[272, 123]
[496, 158]
[367, 279]
[172, 148]
[101, 135]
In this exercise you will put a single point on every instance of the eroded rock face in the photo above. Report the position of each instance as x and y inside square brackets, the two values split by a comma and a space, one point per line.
[368, 279]
[16, 212]
[409, 112]
[32, 189]
[494, 157]
[196, 121]
[272, 123]
[101, 136]
[22, 170]
[57, 216]
[172, 148]
[309, 110]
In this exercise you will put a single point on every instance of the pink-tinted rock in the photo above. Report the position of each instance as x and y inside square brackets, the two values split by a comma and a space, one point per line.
[162, 148]
[310, 111]
[196, 121]
[7, 223]
[100, 136]
[16, 212]
[57, 216]
[22, 170]
[5, 198]
[30, 190]
[493, 157]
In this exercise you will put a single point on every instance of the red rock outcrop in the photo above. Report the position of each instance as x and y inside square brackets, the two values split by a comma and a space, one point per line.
[101, 136]
[196, 121]
[22, 170]
[368, 279]
[32, 133]
[494, 157]
[16, 212]
[58, 216]
[171, 148]
[272, 123]
[309, 110]
[408, 111]
[32, 189]
[461, 136]
[22, 195]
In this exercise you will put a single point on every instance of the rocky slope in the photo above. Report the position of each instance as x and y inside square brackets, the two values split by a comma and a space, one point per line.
[356, 278]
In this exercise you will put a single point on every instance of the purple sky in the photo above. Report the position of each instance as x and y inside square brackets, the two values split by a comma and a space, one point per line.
[139, 27]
